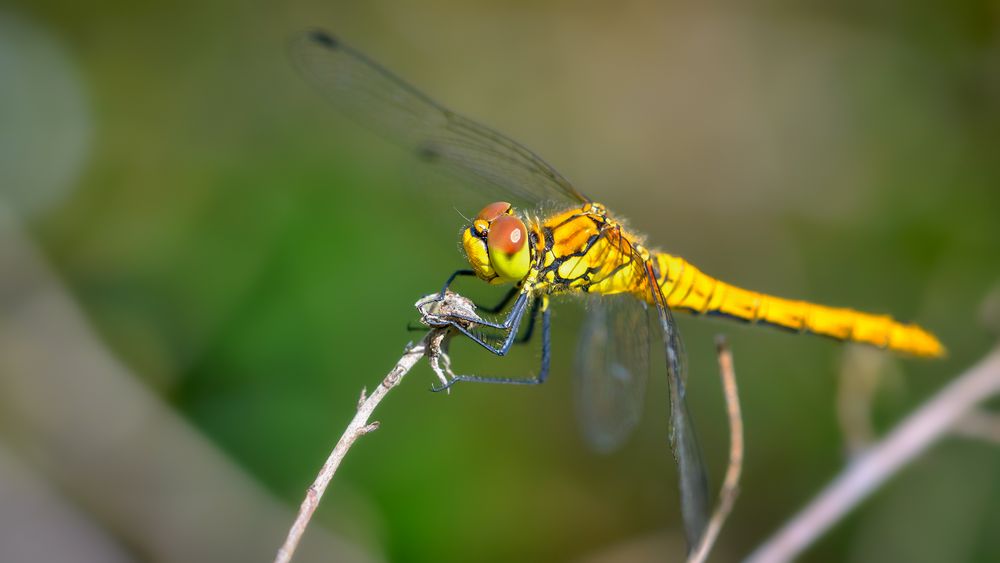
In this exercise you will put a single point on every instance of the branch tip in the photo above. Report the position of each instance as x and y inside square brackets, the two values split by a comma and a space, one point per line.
[431, 347]
[721, 343]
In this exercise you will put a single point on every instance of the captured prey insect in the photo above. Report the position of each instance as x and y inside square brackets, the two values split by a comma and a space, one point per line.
[562, 242]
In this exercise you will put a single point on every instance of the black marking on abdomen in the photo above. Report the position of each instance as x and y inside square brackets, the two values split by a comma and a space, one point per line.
[722, 315]
[781, 327]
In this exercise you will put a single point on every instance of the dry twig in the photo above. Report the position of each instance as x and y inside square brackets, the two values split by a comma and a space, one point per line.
[936, 418]
[730, 485]
[434, 313]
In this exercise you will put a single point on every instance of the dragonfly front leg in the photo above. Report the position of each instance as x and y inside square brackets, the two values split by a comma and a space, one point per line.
[536, 306]
[509, 325]
[513, 318]
[494, 309]
[532, 316]
[503, 302]
[451, 279]
[543, 371]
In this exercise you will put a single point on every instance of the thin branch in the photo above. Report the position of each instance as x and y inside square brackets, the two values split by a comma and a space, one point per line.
[936, 418]
[358, 427]
[434, 311]
[730, 485]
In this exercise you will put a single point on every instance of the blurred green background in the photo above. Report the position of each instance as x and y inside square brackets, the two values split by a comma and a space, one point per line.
[250, 258]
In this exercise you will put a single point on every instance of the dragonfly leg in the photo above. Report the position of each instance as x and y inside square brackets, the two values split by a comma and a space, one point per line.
[508, 326]
[533, 316]
[503, 302]
[451, 279]
[411, 327]
[495, 308]
[508, 322]
[543, 372]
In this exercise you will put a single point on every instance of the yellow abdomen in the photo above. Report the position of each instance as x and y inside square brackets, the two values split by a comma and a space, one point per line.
[686, 288]
[585, 250]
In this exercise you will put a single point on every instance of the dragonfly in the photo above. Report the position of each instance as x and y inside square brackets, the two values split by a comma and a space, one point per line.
[546, 239]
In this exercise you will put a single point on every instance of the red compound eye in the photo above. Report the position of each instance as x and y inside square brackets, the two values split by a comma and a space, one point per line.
[493, 210]
[507, 234]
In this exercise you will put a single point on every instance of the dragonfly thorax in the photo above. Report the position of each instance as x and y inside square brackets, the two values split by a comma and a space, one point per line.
[497, 246]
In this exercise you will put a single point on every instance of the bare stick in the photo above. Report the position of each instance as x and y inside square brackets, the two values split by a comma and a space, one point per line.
[912, 436]
[730, 485]
[434, 345]
[358, 427]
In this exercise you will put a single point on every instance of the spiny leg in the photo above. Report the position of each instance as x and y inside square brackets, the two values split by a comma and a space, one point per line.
[521, 300]
[524, 339]
[543, 371]
[532, 317]
[503, 302]
[451, 279]
[456, 274]
[509, 326]
[493, 310]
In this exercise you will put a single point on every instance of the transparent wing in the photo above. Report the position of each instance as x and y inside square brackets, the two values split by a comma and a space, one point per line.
[612, 366]
[693, 480]
[373, 96]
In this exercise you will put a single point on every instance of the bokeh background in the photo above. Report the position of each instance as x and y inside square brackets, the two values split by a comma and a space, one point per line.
[202, 264]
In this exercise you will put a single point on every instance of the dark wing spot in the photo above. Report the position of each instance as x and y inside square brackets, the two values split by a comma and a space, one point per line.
[428, 153]
[324, 39]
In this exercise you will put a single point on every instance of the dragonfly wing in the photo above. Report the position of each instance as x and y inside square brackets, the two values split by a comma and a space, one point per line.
[692, 476]
[377, 98]
[612, 369]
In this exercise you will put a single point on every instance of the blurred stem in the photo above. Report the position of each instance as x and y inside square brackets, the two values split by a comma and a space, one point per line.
[936, 418]
[730, 485]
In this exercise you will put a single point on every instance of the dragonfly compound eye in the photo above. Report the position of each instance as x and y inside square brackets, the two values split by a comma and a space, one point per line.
[509, 251]
[494, 210]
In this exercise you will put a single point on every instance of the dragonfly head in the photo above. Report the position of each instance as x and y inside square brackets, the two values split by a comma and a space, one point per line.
[496, 244]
